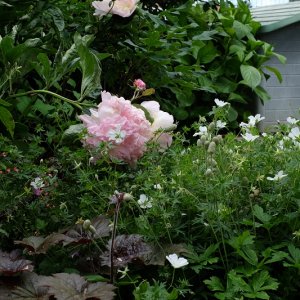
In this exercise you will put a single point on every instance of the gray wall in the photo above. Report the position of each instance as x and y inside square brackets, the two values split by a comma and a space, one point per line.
[285, 96]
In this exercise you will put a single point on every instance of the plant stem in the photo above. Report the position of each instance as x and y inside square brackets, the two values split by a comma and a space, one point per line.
[75, 103]
[113, 240]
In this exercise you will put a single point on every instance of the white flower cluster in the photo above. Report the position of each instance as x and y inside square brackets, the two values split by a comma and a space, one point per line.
[250, 127]
[291, 135]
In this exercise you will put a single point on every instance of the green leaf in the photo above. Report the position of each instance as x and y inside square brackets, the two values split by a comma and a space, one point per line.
[280, 57]
[91, 70]
[58, 17]
[276, 72]
[250, 75]
[43, 108]
[214, 284]
[72, 133]
[262, 94]
[241, 30]
[148, 92]
[95, 278]
[249, 255]
[7, 119]
[232, 114]
[259, 214]
[4, 103]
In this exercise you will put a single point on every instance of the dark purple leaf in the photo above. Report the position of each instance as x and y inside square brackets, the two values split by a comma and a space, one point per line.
[10, 264]
[30, 288]
[40, 245]
[65, 286]
[77, 235]
[128, 249]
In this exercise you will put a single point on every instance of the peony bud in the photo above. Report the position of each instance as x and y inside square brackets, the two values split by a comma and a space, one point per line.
[139, 84]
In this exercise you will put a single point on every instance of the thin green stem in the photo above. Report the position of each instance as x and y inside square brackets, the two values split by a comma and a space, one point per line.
[173, 276]
[75, 103]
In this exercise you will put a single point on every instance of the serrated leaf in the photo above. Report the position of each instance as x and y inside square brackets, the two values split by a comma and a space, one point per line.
[76, 235]
[30, 289]
[65, 286]
[260, 214]
[32, 243]
[127, 249]
[251, 76]
[12, 263]
[249, 255]
[214, 284]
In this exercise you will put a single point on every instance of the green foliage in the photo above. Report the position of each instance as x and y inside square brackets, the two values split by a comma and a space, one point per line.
[211, 200]
[152, 292]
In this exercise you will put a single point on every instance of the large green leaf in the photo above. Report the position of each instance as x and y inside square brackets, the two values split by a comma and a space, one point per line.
[90, 66]
[250, 75]
[7, 119]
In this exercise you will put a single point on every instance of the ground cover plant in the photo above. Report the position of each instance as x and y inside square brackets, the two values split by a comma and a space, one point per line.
[105, 197]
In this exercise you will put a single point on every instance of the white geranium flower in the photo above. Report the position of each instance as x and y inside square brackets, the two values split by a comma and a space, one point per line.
[202, 131]
[144, 201]
[116, 135]
[292, 121]
[37, 183]
[177, 262]
[220, 124]
[277, 176]
[253, 120]
[244, 125]
[294, 133]
[220, 103]
[157, 186]
[249, 137]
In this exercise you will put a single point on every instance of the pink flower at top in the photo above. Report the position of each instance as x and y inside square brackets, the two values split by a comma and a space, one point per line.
[139, 84]
[123, 8]
[121, 124]
[162, 121]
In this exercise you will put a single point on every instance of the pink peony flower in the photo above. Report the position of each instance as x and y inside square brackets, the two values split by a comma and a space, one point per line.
[162, 121]
[117, 121]
[139, 84]
[123, 8]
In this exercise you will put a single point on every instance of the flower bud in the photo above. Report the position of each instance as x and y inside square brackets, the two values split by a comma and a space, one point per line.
[208, 172]
[256, 192]
[127, 197]
[92, 229]
[219, 137]
[211, 126]
[211, 147]
[139, 84]
[215, 139]
[206, 143]
[212, 162]
[86, 224]
[199, 143]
